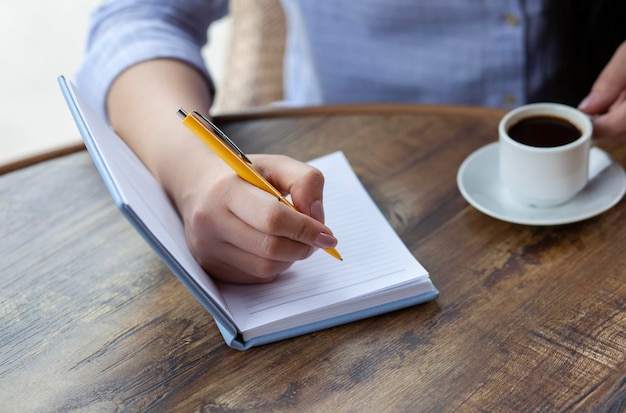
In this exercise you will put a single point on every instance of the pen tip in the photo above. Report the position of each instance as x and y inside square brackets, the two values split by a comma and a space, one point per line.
[181, 112]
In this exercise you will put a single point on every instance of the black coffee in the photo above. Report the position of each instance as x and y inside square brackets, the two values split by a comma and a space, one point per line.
[544, 131]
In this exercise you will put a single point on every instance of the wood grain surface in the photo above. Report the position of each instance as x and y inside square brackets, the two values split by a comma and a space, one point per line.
[529, 318]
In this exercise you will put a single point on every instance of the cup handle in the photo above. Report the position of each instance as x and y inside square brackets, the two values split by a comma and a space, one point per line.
[598, 162]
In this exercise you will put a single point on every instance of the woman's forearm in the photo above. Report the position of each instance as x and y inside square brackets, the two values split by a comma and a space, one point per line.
[142, 105]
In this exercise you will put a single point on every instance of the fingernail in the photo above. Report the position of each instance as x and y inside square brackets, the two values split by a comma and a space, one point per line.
[317, 211]
[586, 102]
[325, 241]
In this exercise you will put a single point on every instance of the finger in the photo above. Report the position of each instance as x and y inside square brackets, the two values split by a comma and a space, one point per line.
[608, 86]
[613, 123]
[303, 182]
[264, 245]
[228, 261]
[264, 213]
[235, 265]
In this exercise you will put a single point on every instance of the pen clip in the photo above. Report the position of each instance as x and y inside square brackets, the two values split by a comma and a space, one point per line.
[217, 132]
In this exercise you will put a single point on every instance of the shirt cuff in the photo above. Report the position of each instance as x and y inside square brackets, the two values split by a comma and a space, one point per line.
[109, 56]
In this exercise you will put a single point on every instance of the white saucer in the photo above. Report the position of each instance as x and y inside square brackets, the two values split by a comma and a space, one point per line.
[480, 185]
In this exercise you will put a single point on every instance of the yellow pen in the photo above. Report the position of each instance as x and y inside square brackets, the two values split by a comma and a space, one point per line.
[226, 149]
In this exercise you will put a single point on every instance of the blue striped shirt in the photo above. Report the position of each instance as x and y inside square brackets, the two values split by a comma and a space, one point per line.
[489, 53]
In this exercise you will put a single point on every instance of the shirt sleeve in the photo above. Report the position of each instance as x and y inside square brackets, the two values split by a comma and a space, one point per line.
[125, 32]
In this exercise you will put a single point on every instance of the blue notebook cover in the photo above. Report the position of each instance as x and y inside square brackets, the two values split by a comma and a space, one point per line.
[120, 170]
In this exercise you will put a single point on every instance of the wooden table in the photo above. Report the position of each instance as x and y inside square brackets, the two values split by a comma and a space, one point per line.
[529, 318]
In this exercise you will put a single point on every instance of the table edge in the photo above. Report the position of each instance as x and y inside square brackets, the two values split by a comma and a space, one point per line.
[268, 112]
[38, 157]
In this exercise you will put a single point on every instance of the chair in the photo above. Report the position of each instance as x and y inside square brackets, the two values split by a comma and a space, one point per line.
[254, 68]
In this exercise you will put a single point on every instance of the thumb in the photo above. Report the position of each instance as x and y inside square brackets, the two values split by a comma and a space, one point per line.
[608, 86]
[303, 182]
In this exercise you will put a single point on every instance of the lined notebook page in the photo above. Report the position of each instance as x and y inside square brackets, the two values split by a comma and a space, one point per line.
[374, 258]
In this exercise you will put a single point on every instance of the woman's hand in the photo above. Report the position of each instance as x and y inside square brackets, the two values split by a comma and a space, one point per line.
[237, 232]
[240, 233]
[607, 99]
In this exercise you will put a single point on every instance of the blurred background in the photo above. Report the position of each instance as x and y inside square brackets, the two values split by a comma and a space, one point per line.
[39, 41]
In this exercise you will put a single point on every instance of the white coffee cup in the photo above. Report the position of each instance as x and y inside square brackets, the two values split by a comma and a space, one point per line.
[544, 176]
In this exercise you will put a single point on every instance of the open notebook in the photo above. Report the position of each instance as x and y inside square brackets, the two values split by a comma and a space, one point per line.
[378, 273]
